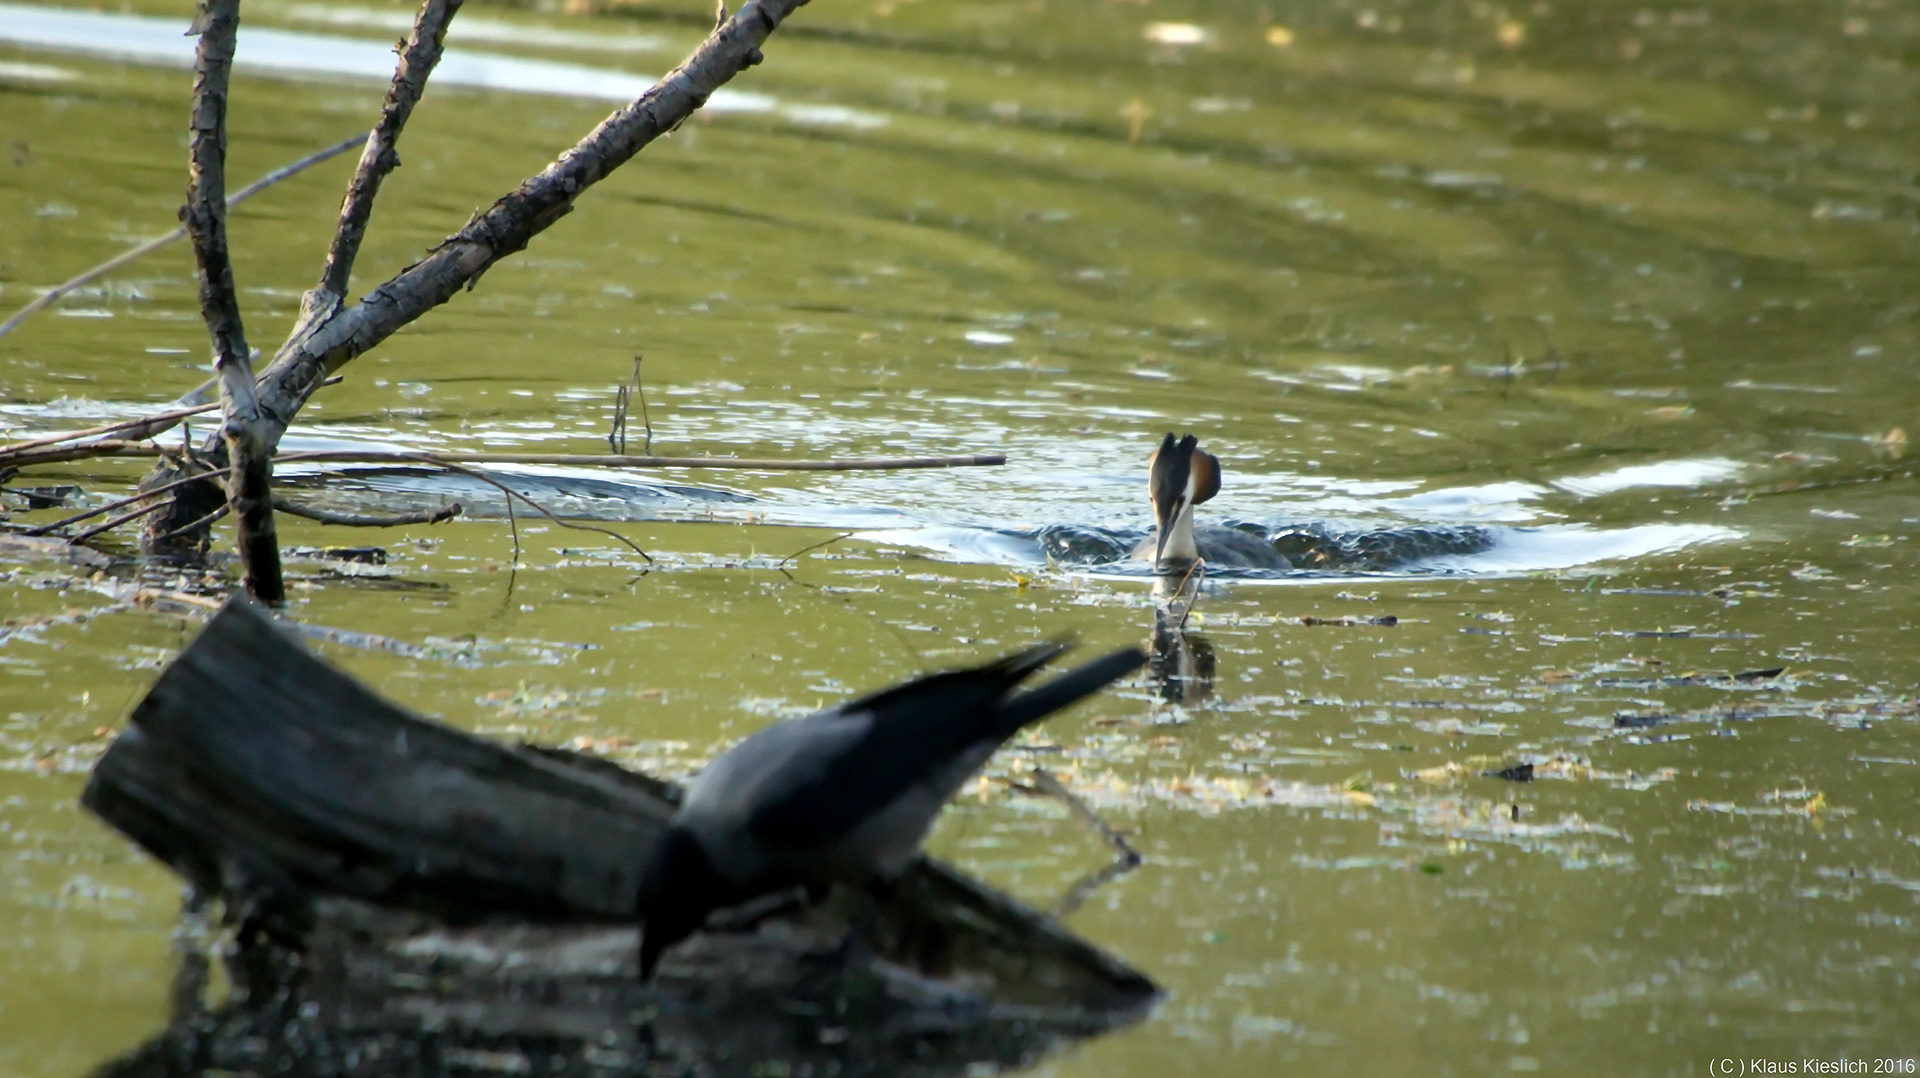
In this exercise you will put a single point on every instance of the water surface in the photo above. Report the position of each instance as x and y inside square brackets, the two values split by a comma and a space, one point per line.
[1628, 286]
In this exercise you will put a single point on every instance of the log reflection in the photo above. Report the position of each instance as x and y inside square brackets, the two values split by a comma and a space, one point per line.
[566, 1000]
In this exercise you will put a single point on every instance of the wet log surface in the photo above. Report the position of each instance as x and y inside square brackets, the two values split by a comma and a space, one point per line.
[410, 893]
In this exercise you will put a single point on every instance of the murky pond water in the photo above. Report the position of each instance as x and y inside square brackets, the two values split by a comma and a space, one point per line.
[1626, 288]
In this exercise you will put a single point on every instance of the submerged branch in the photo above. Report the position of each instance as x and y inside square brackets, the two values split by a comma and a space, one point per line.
[124, 518]
[358, 520]
[1053, 787]
[1125, 859]
[544, 511]
[121, 503]
[148, 426]
[53, 295]
[810, 549]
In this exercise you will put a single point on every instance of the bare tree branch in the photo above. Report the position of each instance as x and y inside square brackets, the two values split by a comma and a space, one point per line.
[321, 345]
[249, 439]
[123, 518]
[418, 55]
[458, 262]
[202, 523]
[121, 503]
[1125, 857]
[205, 214]
[47, 298]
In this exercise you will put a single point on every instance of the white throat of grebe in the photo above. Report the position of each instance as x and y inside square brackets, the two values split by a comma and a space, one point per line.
[1180, 476]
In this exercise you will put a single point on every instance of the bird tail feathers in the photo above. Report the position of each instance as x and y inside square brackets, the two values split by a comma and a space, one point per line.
[1081, 681]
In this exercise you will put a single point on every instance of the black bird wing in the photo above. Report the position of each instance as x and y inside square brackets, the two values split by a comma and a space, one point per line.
[914, 732]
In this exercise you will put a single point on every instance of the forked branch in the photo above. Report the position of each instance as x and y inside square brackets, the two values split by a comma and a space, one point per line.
[322, 347]
[329, 334]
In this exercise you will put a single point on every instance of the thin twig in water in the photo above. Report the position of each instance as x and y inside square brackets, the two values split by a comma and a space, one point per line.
[121, 503]
[152, 245]
[814, 547]
[623, 407]
[203, 522]
[1199, 566]
[617, 434]
[168, 418]
[116, 522]
[55, 454]
[76, 435]
[639, 390]
[1053, 787]
[544, 511]
[1126, 858]
[1083, 888]
[356, 520]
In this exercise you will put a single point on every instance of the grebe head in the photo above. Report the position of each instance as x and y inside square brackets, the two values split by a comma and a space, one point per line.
[1180, 476]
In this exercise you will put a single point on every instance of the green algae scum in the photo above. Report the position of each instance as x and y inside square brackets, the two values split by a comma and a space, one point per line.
[1568, 353]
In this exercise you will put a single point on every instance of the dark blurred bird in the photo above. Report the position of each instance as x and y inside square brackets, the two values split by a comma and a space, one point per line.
[1181, 475]
[844, 795]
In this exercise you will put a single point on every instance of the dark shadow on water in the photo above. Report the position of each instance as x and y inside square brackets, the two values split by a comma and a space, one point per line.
[566, 1001]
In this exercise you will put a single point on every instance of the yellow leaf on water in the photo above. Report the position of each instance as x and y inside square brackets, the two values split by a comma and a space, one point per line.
[1279, 36]
[1443, 773]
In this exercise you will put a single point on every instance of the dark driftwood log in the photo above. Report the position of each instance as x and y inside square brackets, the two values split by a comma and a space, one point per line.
[268, 778]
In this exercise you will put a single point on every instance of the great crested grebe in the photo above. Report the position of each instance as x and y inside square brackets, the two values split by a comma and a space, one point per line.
[1181, 475]
[843, 795]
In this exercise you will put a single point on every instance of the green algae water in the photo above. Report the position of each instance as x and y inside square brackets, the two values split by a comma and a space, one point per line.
[1626, 288]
